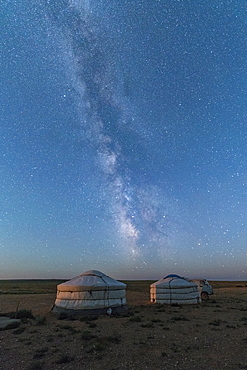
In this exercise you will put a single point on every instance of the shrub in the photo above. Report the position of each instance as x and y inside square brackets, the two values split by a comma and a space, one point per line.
[216, 322]
[97, 346]
[42, 350]
[179, 318]
[135, 319]
[231, 326]
[147, 325]
[87, 335]
[38, 355]
[91, 324]
[125, 314]
[70, 328]
[24, 314]
[156, 320]
[65, 359]
[21, 314]
[161, 309]
[174, 347]
[36, 366]
[114, 338]
[40, 320]
[49, 338]
[20, 330]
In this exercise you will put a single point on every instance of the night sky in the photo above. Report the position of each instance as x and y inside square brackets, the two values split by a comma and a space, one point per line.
[123, 138]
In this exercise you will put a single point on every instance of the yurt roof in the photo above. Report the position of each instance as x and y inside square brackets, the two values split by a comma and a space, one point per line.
[173, 281]
[91, 280]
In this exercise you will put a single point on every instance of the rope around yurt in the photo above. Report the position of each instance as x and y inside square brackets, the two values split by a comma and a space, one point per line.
[107, 291]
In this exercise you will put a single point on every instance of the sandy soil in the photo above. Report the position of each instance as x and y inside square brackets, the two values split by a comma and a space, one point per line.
[212, 335]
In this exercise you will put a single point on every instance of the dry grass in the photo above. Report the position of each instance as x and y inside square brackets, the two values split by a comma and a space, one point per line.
[149, 336]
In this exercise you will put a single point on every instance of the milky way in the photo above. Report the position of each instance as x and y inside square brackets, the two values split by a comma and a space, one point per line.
[124, 136]
[138, 211]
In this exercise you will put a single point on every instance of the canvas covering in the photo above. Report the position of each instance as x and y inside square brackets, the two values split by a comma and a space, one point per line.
[92, 290]
[174, 289]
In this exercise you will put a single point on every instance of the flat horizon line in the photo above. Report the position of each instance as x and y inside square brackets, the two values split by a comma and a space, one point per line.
[155, 279]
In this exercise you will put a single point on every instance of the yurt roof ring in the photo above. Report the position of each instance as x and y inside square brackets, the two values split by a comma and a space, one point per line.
[173, 276]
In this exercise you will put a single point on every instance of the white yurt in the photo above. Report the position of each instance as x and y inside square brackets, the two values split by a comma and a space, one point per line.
[91, 293]
[174, 289]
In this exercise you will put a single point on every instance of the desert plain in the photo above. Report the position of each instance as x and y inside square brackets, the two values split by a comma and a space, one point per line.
[211, 335]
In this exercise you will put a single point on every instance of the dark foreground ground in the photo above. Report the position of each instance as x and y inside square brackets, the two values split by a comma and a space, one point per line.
[212, 335]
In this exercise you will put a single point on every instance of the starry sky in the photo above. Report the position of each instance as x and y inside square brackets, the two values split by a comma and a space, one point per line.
[123, 138]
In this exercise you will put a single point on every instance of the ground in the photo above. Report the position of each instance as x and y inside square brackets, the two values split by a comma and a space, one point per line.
[212, 335]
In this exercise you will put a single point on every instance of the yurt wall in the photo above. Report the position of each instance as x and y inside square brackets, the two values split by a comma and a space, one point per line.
[174, 289]
[91, 292]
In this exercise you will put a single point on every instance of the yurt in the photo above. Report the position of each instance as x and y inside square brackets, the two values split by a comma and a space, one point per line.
[91, 293]
[174, 289]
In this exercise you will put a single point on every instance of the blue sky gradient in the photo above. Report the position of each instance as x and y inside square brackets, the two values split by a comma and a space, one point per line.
[123, 139]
